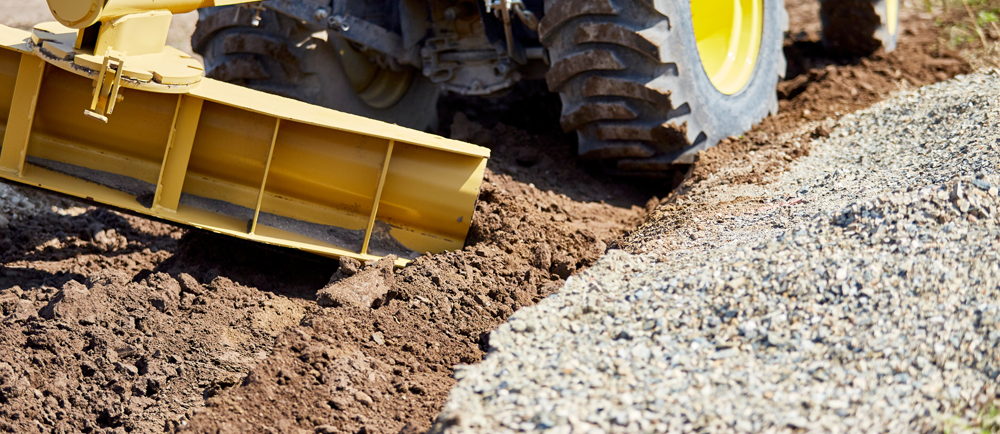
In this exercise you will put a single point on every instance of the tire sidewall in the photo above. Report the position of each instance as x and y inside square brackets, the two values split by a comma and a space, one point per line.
[722, 115]
[321, 80]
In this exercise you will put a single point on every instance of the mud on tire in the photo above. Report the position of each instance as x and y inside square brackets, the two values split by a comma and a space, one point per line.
[633, 86]
[283, 57]
[859, 27]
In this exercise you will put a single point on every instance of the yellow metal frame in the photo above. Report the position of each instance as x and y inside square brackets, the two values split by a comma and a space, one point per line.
[728, 34]
[259, 154]
[168, 70]
[79, 14]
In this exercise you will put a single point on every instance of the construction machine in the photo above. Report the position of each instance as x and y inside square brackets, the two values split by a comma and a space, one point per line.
[644, 84]
[286, 134]
[94, 105]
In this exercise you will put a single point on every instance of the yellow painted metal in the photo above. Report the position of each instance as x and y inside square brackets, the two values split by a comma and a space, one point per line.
[263, 182]
[178, 153]
[21, 114]
[378, 197]
[169, 70]
[89, 31]
[238, 162]
[79, 14]
[377, 86]
[136, 34]
[728, 34]
[892, 12]
[106, 86]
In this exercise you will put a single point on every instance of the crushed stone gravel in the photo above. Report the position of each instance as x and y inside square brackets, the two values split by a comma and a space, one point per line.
[19, 203]
[861, 297]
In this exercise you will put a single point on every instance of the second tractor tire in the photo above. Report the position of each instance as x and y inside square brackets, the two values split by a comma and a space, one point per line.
[283, 57]
[859, 27]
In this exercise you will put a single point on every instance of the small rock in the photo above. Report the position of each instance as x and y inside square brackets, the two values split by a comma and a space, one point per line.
[363, 289]
[775, 339]
[725, 354]
[820, 131]
[72, 303]
[932, 389]
[326, 429]
[126, 368]
[189, 284]
[736, 283]
[349, 266]
[518, 325]
[797, 422]
[363, 398]
[542, 257]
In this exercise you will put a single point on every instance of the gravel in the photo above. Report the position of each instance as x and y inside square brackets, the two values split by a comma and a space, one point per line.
[19, 203]
[863, 296]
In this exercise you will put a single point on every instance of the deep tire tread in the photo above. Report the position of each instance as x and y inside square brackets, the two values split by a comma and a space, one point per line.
[595, 111]
[262, 58]
[594, 93]
[282, 56]
[596, 33]
[617, 85]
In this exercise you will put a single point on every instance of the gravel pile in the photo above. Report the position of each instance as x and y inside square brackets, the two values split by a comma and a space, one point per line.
[864, 299]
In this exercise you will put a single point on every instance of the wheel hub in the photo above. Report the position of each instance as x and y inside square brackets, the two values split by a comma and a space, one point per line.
[728, 34]
[378, 87]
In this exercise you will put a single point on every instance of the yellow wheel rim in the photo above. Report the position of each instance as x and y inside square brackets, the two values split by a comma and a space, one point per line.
[378, 87]
[892, 12]
[728, 34]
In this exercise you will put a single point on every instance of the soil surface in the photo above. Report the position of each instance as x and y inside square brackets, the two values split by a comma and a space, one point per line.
[117, 323]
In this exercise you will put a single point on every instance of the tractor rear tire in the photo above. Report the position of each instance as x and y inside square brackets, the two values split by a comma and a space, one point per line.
[635, 89]
[859, 27]
[283, 57]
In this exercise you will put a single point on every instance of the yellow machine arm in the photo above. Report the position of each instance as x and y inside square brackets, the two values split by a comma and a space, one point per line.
[80, 14]
[161, 140]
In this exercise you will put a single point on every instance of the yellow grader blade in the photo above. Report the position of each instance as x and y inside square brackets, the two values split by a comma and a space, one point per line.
[225, 158]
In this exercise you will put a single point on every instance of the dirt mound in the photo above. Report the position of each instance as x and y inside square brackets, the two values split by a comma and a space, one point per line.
[113, 321]
[356, 369]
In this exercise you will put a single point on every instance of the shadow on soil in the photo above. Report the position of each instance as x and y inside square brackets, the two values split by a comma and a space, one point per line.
[205, 256]
[51, 249]
[521, 128]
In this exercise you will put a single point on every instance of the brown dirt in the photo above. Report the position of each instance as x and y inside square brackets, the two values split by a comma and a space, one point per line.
[115, 323]
[356, 369]
[118, 322]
